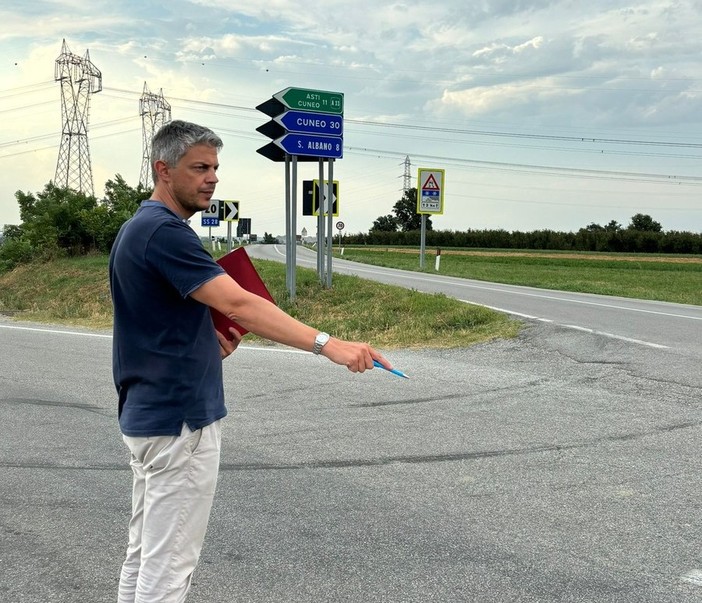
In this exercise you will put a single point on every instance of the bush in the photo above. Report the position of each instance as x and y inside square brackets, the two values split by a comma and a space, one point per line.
[15, 251]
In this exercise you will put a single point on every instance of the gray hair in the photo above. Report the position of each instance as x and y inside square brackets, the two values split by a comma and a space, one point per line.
[176, 138]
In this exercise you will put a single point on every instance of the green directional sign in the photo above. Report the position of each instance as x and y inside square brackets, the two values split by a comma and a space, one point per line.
[319, 101]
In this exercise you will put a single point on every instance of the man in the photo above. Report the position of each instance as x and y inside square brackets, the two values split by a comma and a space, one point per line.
[167, 362]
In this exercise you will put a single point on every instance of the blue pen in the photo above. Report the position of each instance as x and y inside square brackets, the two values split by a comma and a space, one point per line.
[393, 371]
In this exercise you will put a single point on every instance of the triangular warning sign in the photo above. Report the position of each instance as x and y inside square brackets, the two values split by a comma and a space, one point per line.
[430, 184]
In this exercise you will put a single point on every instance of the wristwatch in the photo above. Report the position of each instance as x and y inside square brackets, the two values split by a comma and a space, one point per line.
[319, 342]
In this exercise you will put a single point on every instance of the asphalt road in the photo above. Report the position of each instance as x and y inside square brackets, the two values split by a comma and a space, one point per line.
[561, 466]
[659, 325]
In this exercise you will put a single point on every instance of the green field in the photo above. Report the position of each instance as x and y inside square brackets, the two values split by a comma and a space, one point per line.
[659, 277]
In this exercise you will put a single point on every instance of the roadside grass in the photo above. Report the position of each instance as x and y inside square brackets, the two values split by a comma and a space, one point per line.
[663, 278]
[75, 291]
[65, 291]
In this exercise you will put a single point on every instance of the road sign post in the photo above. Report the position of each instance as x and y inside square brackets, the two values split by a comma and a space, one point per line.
[340, 228]
[228, 211]
[306, 125]
[210, 216]
[313, 198]
[430, 191]
[331, 147]
[430, 200]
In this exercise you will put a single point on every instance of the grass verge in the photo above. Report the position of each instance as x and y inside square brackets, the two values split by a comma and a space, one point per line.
[75, 291]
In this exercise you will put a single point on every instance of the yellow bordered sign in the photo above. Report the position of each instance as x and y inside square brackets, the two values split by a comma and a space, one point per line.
[430, 191]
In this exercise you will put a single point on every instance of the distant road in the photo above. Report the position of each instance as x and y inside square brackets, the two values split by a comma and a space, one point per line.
[660, 325]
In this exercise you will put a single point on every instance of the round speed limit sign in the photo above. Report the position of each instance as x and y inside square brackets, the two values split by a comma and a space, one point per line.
[340, 225]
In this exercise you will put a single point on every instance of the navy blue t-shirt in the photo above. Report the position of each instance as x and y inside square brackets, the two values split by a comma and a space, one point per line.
[166, 360]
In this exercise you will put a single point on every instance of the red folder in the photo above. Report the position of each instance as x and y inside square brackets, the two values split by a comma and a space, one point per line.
[237, 264]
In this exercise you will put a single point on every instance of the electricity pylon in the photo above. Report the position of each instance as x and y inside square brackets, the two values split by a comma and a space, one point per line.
[155, 112]
[79, 79]
[407, 177]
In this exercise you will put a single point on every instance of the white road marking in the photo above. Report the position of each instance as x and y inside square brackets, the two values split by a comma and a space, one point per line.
[575, 327]
[285, 350]
[47, 330]
[649, 344]
[693, 577]
[520, 314]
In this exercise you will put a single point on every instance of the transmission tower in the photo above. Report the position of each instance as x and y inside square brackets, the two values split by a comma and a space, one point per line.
[79, 79]
[407, 177]
[155, 112]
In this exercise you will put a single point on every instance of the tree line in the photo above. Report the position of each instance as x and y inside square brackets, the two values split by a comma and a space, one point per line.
[625, 240]
[642, 235]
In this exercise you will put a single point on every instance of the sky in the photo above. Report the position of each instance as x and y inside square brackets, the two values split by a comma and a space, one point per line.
[544, 114]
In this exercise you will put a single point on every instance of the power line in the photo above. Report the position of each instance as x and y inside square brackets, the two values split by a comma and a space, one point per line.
[492, 165]
[51, 135]
[530, 136]
[517, 167]
[53, 146]
[32, 106]
[553, 170]
[28, 89]
[462, 131]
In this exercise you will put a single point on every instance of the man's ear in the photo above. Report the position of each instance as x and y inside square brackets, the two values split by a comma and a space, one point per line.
[162, 170]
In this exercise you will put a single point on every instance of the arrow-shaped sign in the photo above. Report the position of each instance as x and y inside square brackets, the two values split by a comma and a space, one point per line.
[311, 123]
[311, 197]
[229, 210]
[331, 147]
[325, 198]
[320, 101]
[303, 123]
[307, 124]
[303, 99]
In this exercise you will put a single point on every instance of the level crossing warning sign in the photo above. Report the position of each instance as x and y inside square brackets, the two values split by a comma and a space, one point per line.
[430, 191]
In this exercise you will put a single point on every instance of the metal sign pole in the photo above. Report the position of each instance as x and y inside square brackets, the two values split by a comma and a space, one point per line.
[320, 223]
[287, 225]
[229, 236]
[330, 216]
[422, 245]
[293, 230]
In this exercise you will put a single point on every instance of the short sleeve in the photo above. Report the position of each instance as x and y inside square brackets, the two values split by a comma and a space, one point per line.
[177, 254]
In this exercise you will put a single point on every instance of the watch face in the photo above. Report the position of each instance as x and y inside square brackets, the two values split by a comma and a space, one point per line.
[319, 342]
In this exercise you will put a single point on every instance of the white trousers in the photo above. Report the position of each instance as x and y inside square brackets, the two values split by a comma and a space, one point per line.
[173, 487]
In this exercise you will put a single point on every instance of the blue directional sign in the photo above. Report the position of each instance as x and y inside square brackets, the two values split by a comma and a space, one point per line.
[312, 123]
[210, 221]
[331, 147]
